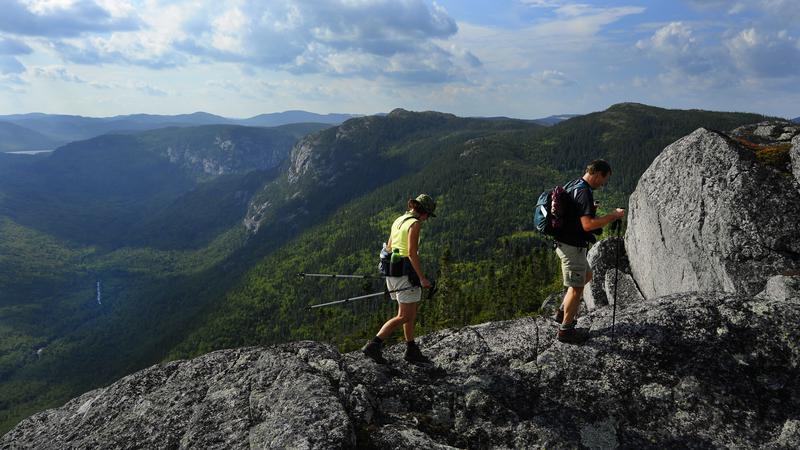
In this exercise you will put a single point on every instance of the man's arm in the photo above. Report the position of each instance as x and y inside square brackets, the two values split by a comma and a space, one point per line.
[590, 223]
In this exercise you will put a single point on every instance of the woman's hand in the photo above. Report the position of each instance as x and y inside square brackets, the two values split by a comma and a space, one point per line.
[424, 282]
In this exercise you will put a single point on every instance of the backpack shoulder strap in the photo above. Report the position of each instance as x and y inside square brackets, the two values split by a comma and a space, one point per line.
[400, 225]
[573, 186]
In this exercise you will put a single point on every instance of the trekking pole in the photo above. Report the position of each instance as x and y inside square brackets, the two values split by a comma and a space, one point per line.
[430, 295]
[615, 226]
[336, 275]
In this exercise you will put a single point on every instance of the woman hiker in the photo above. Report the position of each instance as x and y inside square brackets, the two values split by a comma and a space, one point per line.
[404, 242]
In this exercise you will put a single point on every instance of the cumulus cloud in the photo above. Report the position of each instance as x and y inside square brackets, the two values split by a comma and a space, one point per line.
[765, 54]
[339, 37]
[60, 18]
[123, 49]
[553, 78]
[368, 38]
[743, 56]
[675, 45]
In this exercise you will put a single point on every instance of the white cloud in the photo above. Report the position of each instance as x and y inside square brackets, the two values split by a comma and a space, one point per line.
[553, 78]
[542, 3]
[12, 83]
[677, 49]
[60, 18]
[365, 38]
[766, 54]
[784, 11]
[149, 89]
[56, 73]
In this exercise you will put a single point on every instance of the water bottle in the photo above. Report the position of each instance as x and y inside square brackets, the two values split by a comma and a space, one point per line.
[396, 258]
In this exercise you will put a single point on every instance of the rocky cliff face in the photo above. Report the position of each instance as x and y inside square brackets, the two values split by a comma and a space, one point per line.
[708, 215]
[228, 150]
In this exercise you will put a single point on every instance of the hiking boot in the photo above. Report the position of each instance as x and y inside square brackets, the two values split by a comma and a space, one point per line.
[373, 352]
[575, 336]
[558, 317]
[413, 355]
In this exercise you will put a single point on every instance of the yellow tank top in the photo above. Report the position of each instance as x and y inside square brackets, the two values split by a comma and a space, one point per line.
[399, 233]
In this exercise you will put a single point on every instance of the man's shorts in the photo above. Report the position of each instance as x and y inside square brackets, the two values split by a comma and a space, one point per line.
[410, 296]
[574, 265]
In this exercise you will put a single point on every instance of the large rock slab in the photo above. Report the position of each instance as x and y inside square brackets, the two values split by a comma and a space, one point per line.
[278, 397]
[706, 216]
[684, 371]
[697, 370]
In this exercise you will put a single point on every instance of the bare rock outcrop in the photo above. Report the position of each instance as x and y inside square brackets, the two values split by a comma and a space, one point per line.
[603, 260]
[278, 397]
[694, 370]
[707, 216]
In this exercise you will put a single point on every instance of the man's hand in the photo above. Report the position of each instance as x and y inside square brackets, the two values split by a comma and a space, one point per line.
[619, 213]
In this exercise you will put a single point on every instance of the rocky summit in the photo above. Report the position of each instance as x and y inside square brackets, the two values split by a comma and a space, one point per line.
[711, 370]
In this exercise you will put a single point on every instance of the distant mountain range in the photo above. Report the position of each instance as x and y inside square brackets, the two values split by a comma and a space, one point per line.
[552, 120]
[545, 121]
[38, 131]
[16, 138]
[796, 120]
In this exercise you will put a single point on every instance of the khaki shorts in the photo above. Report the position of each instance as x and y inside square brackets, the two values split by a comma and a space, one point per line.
[409, 296]
[574, 266]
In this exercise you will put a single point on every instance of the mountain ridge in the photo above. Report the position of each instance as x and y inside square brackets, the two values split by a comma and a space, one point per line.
[15, 138]
[63, 128]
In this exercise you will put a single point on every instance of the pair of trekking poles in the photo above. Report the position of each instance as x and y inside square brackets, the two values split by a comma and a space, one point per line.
[386, 292]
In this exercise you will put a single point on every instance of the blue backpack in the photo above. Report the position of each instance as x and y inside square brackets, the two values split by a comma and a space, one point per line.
[553, 207]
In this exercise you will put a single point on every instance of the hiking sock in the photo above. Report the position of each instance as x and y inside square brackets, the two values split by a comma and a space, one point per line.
[567, 326]
[377, 340]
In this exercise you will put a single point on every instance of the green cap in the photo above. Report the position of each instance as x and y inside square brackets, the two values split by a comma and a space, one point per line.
[427, 203]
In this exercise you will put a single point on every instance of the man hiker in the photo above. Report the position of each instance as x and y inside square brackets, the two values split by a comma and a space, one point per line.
[403, 244]
[572, 242]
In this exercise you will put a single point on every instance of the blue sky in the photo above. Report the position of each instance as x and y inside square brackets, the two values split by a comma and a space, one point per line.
[518, 58]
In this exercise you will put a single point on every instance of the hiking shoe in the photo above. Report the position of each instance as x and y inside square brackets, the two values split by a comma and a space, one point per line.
[373, 352]
[575, 336]
[414, 356]
[558, 317]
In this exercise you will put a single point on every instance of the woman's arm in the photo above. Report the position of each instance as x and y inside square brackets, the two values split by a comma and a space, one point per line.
[413, 245]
